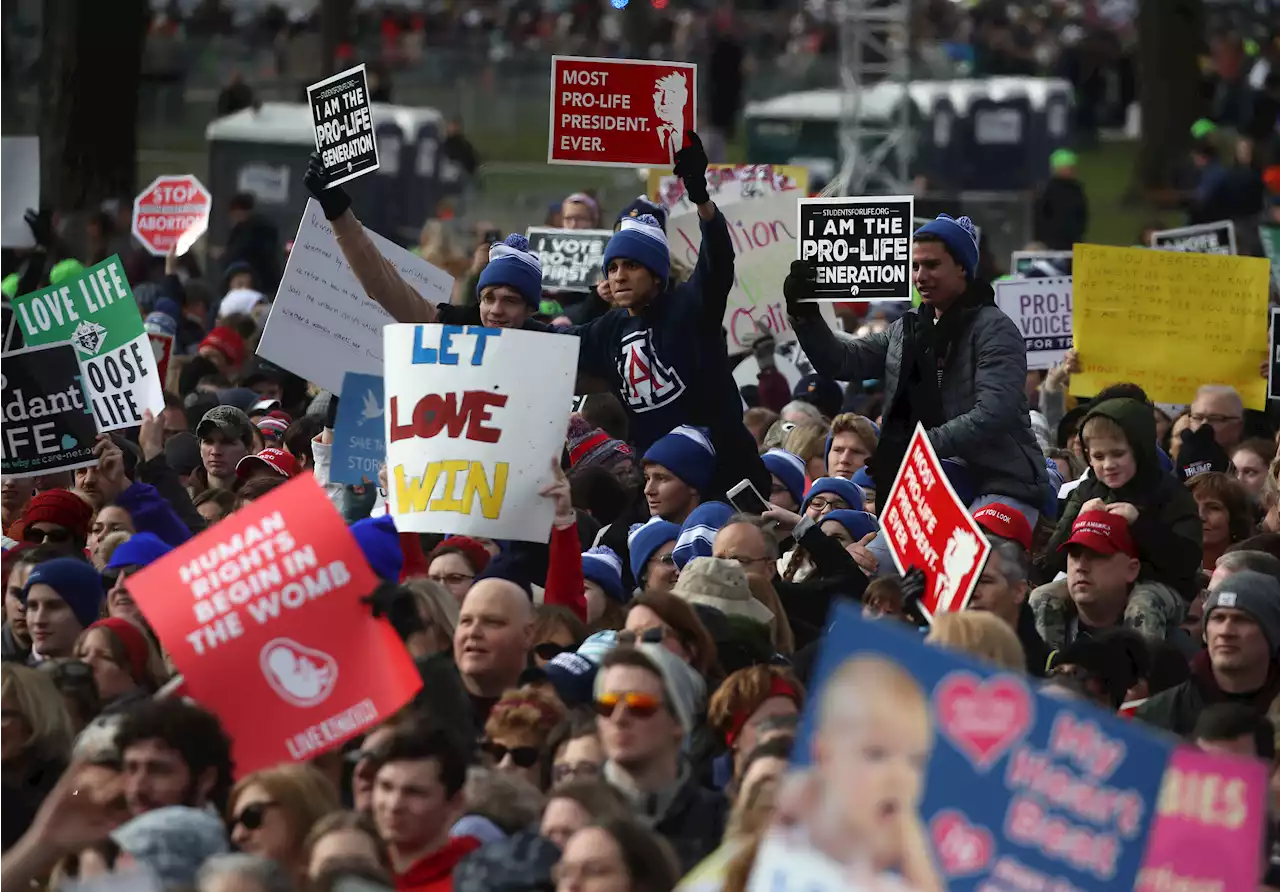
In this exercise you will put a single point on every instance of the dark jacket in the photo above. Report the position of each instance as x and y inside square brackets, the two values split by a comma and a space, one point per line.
[836, 574]
[11, 650]
[985, 421]
[23, 791]
[158, 473]
[692, 819]
[256, 241]
[1168, 530]
[1037, 651]
[1178, 708]
[1061, 214]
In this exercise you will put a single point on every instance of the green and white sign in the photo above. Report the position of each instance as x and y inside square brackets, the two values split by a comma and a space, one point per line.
[1271, 247]
[97, 314]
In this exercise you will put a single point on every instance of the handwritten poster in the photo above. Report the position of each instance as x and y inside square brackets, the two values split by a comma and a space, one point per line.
[322, 324]
[728, 184]
[1169, 321]
[474, 417]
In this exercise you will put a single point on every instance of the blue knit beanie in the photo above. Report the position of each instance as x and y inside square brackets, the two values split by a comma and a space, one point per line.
[698, 531]
[161, 323]
[787, 467]
[686, 452]
[138, 550]
[959, 236]
[862, 478]
[641, 239]
[644, 539]
[642, 205]
[602, 566]
[836, 486]
[858, 523]
[511, 263]
[75, 581]
[378, 539]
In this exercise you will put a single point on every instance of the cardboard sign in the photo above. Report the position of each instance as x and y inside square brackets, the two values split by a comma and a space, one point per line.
[981, 782]
[474, 417]
[96, 312]
[1042, 310]
[862, 246]
[572, 259]
[162, 349]
[1040, 264]
[171, 213]
[343, 118]
[1169, 321]
[1210, 824]
[48, 424]
[620, 112]
[261, 614]
[1273, 367]
[359, 441]
[1206, 238]
[322, 324]
[19, 189]
[728, 184]
[929, 527]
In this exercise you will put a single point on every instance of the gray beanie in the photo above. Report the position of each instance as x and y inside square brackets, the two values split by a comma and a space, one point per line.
[1254, 593]
[173, 842]
[684, 688]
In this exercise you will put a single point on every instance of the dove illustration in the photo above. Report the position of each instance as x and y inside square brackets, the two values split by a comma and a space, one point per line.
[371, 409]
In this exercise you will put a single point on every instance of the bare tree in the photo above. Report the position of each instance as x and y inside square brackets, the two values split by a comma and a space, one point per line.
[1170, 34]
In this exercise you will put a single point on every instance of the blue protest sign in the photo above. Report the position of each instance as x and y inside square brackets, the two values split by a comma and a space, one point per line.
[918, 767]
[359, 433]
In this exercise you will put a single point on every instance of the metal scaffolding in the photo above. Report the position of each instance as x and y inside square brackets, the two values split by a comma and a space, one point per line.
[874, 48]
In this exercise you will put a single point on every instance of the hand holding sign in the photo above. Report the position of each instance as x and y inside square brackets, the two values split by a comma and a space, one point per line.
[690, 165]
[334, 200]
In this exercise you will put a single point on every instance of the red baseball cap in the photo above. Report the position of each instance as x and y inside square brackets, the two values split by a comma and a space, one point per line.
[277, 460]
[226, 341]
[1103, 532]
[1005, 522]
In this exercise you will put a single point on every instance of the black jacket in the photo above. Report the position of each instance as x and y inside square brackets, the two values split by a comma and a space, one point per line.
[256, 241]
[836, 574]
[692, 820]
[1178, 708]
[1061, 214]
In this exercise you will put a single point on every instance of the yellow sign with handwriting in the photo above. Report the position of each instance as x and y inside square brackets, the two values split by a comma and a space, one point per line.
[1169, 322]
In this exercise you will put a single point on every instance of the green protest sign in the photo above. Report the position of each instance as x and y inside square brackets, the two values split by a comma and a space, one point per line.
[1271, 247]
[96, 313]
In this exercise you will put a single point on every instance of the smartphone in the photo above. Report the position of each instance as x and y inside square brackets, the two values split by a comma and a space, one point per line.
[746, 498]
[489, 236]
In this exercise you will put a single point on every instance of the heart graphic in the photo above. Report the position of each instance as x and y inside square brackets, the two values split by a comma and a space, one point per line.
[983, 719]
[300, 676]
[69, 442]
[962, 847]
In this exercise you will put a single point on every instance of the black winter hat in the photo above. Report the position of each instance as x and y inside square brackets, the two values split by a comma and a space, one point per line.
[1200, 453]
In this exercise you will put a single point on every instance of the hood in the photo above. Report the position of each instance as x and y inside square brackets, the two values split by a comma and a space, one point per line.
[438, 865]
[1138, 423]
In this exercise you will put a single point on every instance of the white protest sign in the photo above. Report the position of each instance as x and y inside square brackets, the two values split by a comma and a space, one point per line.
[474, 418]
[764, 244]
[19, 189]
[1042, 310]
[322, 324]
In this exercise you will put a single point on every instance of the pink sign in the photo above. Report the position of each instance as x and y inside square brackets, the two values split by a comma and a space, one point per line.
[1208, 830]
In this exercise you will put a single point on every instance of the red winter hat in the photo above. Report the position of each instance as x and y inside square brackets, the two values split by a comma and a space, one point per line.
[134, 641]
[1003, 521]
[226, 341]
[60, 507]
[476, 554]
[277, 460]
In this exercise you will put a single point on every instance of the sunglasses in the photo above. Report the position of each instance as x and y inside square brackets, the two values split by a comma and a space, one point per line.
[523, 756]
[549, 650]
[58, 536]
[638, 703]
[251, 816]
[113, 575]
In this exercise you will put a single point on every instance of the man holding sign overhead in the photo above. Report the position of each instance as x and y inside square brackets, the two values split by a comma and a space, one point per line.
[955, 364]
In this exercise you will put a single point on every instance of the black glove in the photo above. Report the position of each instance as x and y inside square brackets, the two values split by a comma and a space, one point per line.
[800, 287]
[395, 603]
[691, 168]
[913, 585]
[334, 201]
[41, 226]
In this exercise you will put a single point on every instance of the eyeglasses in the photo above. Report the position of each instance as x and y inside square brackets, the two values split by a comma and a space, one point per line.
[638, 703]
[56, 536]
[746, 561]
[834, 504]
[453, 578]
[549, 650]
[252, 815]
[667, 560]
[1197, 418]
[523, 756]
[569, 770]
[112, 575]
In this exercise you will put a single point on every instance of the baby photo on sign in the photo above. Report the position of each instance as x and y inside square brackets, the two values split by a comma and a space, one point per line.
[670, 96]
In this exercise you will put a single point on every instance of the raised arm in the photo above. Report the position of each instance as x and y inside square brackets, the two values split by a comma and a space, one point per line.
[712, 278]
[835, 356]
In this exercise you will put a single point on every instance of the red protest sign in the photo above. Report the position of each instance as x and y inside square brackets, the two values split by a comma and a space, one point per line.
[929, 527]
[173, 210]
[620, 112]
[262, 616]
[162, 347]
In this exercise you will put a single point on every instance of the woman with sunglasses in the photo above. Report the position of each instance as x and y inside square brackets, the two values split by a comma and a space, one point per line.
[666, 619]
[56, 517]
[555, 631]
[35, 742]
[270, 812]
[517, 731]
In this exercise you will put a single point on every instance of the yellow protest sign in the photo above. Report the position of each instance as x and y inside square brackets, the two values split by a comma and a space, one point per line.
[1169, 321]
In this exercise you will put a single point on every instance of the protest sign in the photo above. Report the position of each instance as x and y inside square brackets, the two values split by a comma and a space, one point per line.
[572, 259]
[48, 425]
[1270, 237]
[620, 112]
[261, 613]
[19, 189]
[9, 325]
[728, 184]
[343, 119]
[359, 443]
[1206, 238]
[162, 349]
[1169, 321]
[1042, 310]
[171, 213]
[927, 526]
[1041, 264]
[474, 417]
[979, 782]
[1273, 367]
[862, 246]
[96, 312]
[764, 244]
[1210, 824]
[322, 324]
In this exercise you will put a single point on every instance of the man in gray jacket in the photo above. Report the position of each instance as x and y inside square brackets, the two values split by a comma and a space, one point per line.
[956, 364]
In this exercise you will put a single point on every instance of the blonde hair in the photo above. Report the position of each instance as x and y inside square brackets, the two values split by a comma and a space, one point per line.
[305, 796]
[1105, 427]
[43, 709]
[979, 634]
[807, 440]
[433, 600]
